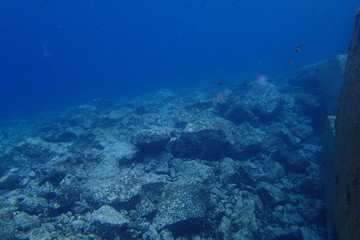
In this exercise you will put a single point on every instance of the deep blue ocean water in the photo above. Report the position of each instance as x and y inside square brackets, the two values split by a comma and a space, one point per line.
[59, 53]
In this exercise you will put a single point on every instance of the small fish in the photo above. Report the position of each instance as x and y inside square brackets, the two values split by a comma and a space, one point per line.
[221, 82]
[298, 48]
[244, 83]
[219, 98]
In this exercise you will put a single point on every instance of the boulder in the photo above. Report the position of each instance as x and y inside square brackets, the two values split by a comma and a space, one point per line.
[107, 222]
[246, 141]
[181, 203]
[263, 99]
[151, 140]
[118, 190]
[201, 140]
[271, 195]
[327, 76]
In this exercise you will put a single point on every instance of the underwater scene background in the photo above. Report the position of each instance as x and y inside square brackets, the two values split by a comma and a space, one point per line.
[57, 53]
[168, 120]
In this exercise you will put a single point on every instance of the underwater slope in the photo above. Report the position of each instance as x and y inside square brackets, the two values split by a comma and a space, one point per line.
[169, 166]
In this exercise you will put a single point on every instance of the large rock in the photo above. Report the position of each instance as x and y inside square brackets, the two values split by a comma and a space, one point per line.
[114, 155]
[202, 140]
[107, 222]
[181, 203]
[271, 195]
[118, 190]
[152, 140]
[246, 141]
[263, 99]
[325, 75]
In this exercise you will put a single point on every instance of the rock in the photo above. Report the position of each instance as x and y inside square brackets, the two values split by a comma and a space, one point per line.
[241, 177]
[39, 233]
[284, 133]
[303, 131]
[311, 209]
[309, 234]
[225, 228]
[290, 160]
[290, 215]
[246, 141]
[330, 79]
[262, 171]
[151, 140]
[201, 140]
[7, 225]
[114, 155]
[119, 190]
[243, 234]
[166, 234]
[239, 113]
[270, 195]
[180, 203]
[80, 116]
[25, 222]
[325, 75]
[11, 180]
[194, 171]
[35, 150]
[243, 215]
[263, 99]
[107, 222]
[33, 205]
[312, 187]
[69, 189]
[306, 76]
[151, 233]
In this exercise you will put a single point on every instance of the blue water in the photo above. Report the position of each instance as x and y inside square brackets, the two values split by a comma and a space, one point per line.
[59, 53]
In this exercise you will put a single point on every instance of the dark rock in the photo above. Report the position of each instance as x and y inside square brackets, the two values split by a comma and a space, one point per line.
[309, 233]
[53, 176]
[270, 195]
[242, 177]
[325, 75]
[239, 113]
[141, 110]
[261, 171]
[152, 140]
[312, 187]
[291, 161]
[306, 76]
[62, 136]
[284, 133]
[33, 205]
[201, 140]
[69, 189]
[11, 180]
[311, 209]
